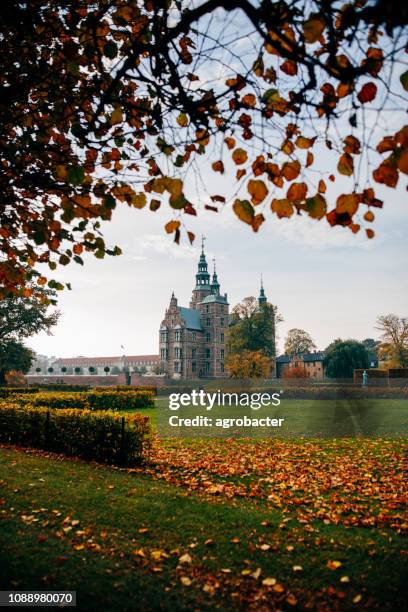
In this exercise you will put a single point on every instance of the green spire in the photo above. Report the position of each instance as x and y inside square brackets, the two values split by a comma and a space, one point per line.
[215, 285]
[202, 276]
[262, 297]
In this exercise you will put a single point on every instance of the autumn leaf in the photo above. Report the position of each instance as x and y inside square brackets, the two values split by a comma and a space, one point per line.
[239, 156]
[297, 192]
[138, 200]
[403, 161]
[283, 208]
[116, 117]
[367, 93]
[352, 145]
[316, 206]
[244, 211]
[345, 164]
[313, 28]
[304, 143]
[386, 174]
[289, 67]
[333, 565]
[257, 190]
[182, 120]
[172, 226]
[218, 166]
[322, 186]
[347, 204]
[369, 216]
[291, 170]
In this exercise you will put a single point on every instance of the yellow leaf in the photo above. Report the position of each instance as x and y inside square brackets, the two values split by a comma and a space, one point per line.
[345, 165]
[244, 211]
[116, 116]
[185, 558]
[347, 204]
[138, 200]
[334, 564]
[257, 190]
[182, 120]
[269, 581]
[313, 28]
[185, 580]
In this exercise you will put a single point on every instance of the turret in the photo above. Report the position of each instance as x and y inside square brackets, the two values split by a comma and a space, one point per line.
[262, 297]
[215, 285]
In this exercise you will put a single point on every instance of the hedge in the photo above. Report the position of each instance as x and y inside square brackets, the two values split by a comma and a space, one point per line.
[93, 435]
[7, 391]
[126, 388]
[62, 387]
[115, 400]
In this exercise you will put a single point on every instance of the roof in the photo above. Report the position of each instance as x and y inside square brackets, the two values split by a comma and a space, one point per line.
[307, 357]
[84, 361]
[191, 318]
[214, 298]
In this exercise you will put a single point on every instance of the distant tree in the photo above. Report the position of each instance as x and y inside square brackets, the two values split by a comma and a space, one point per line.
[298, 341]
[63, 369]
[297, 372]
[394, 339]
[15, 379]
[91, 370]
[254, 328]
[14, 356]
[106, 369]
[77, 370]
[342, 357]
[249, 364]
[371, 345]
[22, 316]
[50, 370]
[38, 370]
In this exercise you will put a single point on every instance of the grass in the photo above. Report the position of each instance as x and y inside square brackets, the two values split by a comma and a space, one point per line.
[120, 539]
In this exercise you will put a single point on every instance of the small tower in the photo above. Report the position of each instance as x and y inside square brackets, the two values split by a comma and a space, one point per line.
[202, 287]
[262, 297]
[215, 285]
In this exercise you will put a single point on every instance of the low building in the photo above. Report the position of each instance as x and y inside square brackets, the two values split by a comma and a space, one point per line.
[309, 364]
[98, 365]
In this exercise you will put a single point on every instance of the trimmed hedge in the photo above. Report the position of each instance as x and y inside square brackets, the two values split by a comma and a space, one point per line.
[115, 400]
[119, 400]
[126, 388]
[101, 436]
[7, 391]
[63, 387]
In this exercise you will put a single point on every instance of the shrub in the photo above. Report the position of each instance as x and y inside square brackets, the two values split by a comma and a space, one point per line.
[101, 436]
[115, 400]
[126, 388]
[7, 391]
[119, 400]
[62, 387]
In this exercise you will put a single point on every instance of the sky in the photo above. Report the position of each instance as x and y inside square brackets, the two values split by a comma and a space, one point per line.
[324, 280]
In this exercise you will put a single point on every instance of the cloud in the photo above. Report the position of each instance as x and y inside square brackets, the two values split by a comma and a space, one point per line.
[157, 244]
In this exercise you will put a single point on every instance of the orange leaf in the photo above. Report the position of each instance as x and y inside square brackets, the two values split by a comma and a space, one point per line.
[257, 222]
[322, 186]
[283, 208]
[257, 190]
[352, 145]
[345, 165]
[172, 226]
[291, 170]
[218, 166]
[240, 156]
[313, 28]
[386, 173]
[369, 216]
[403, 161]
[289, 67]
[297, 192]
[367, 93]
[370, 233]
[309, 159]
[304, 143]
[347, 204]
[230, 142]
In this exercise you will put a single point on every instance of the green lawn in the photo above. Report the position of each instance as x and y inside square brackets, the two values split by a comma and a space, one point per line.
[127, 541]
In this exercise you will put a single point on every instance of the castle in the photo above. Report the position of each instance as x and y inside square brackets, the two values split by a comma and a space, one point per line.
[192, 340]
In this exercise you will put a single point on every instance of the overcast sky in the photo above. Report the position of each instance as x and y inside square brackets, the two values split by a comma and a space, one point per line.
[324, 280]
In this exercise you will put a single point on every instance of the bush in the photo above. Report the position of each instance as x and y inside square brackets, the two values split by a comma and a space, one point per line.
[101, 436]
[119, 400]
[126, 388]
[62, 387]
[7, 391]
[115, 400]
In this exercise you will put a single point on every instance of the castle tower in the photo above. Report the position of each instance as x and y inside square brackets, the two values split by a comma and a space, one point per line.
[262, 297]
[202, 286]
[215, 285]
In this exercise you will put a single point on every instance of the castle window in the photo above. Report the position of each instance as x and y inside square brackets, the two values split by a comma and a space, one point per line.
[208, 337]
[208, 321]
[222, 336]
[222, 322]
[177, 335]
[208, 353]
[178, 352]
[222, 353]
[193, 353]
[207, 366]
[194, 336]
[207, 308]
[163, 336]
[193, 366]
[177, 368]
[222, 366]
